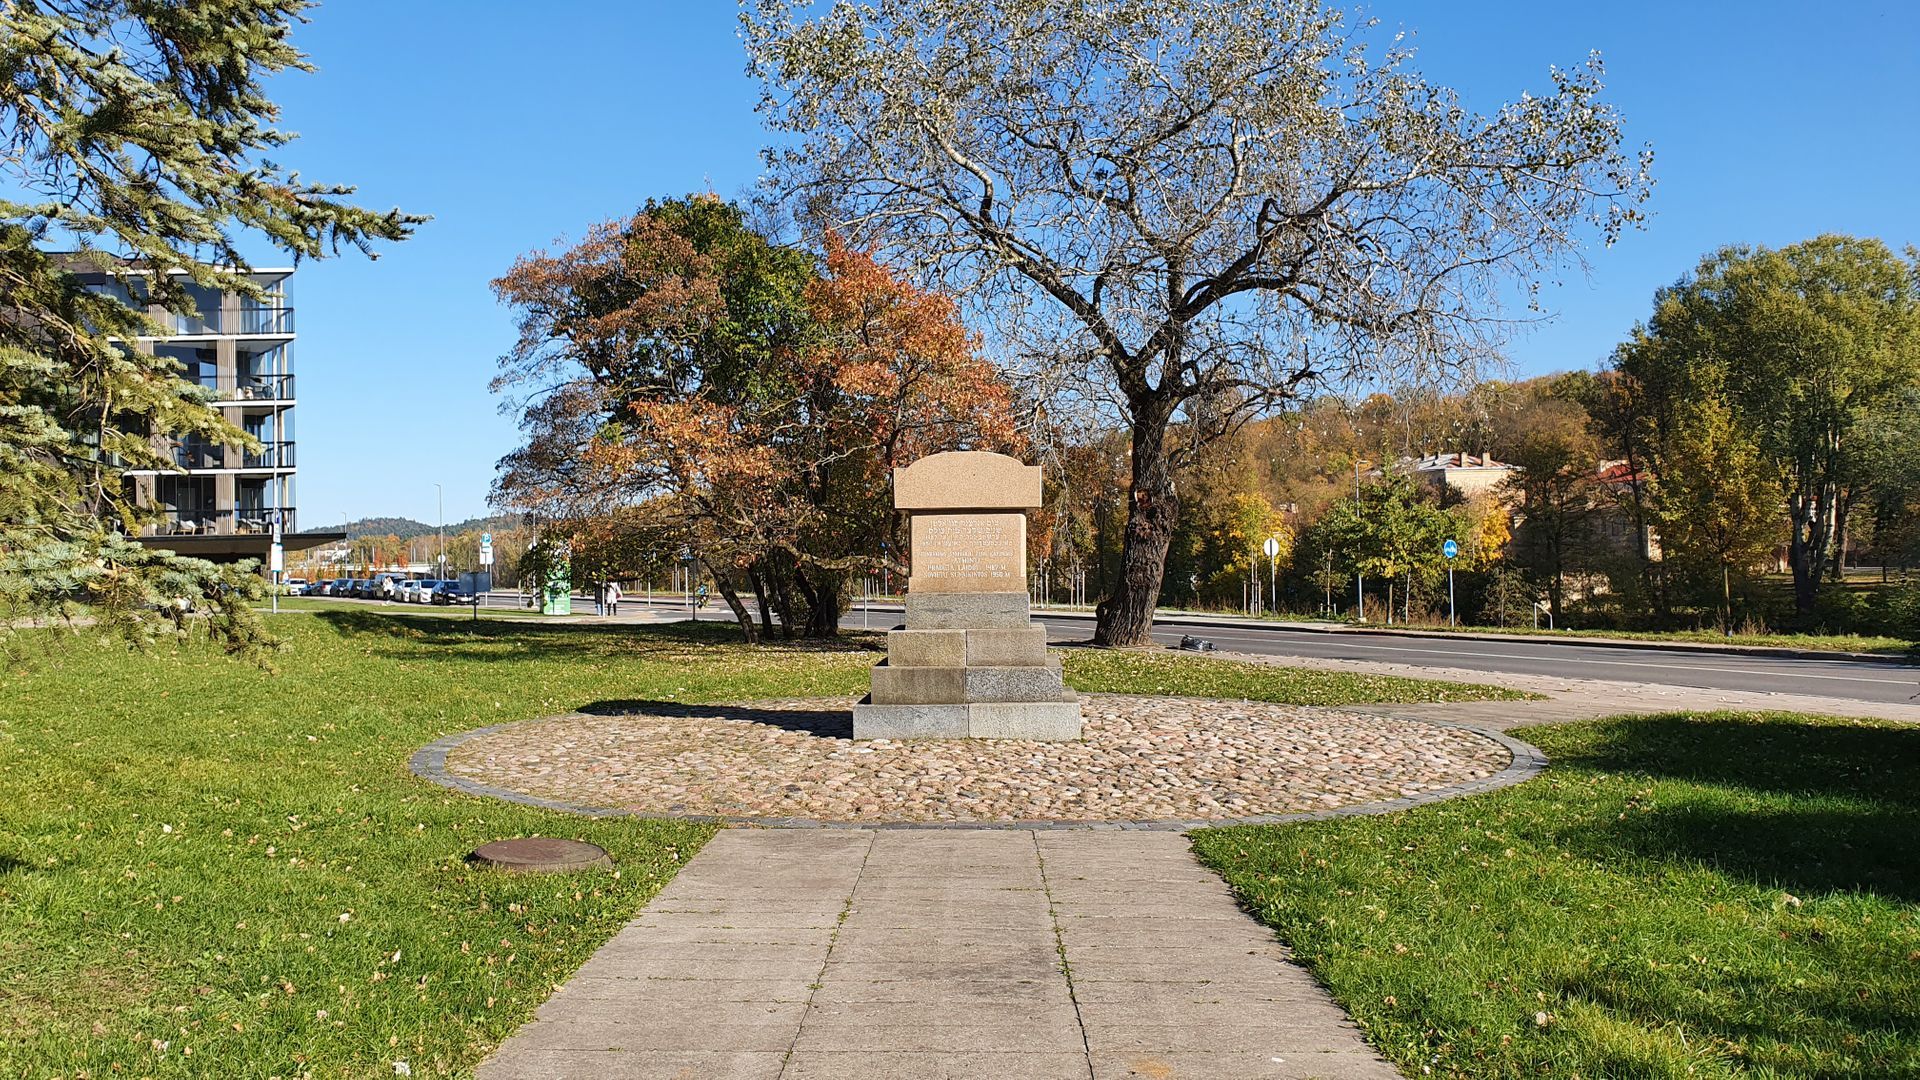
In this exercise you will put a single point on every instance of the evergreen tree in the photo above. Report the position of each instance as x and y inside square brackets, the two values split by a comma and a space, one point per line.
[135, 136]
[1717, 499]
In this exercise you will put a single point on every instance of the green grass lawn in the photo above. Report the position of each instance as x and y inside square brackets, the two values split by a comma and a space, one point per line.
[208, 869]
[1682, 895]
[1128, 672]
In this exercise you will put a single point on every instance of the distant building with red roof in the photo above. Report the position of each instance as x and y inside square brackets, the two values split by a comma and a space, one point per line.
[1468, 474]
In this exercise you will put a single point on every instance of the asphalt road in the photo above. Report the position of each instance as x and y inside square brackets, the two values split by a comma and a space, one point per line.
[1858, 680]
[1862, 680]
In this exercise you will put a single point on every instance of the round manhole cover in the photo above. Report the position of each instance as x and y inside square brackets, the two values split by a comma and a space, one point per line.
[541, 853]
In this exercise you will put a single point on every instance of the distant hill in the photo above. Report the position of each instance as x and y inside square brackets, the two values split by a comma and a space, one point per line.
[407, 528]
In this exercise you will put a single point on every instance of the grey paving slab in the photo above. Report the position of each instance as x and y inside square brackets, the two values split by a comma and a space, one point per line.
[1171, 979]
[585, 990]
[1017, 955]
[902, 1065]
[529, 1063]
[672, 1032]
[1250, 1065]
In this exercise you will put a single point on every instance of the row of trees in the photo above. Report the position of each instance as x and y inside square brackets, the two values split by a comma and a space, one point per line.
[1771, 379]
[1774, 395]
[1644, 492]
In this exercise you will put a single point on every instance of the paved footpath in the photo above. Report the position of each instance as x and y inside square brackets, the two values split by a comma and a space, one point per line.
[995, 953]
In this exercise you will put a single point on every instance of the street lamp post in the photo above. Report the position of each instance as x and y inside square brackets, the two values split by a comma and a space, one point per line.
[440, 497]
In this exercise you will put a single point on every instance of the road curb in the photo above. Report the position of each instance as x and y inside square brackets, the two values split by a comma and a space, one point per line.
[1334, 630]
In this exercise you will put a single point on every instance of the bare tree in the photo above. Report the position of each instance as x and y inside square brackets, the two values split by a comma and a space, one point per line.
[1211, 203]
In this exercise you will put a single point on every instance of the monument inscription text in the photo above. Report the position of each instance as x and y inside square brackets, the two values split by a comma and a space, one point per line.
[969, 552]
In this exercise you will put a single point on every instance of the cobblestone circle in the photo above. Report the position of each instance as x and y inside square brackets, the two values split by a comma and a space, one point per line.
[1143, 759]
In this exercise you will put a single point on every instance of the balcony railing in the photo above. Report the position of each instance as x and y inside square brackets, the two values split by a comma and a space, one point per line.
[264, 320]
[273, 455]
[200, 325]
[195, 455]
[247, 387]
[242, 522]
[248, 320]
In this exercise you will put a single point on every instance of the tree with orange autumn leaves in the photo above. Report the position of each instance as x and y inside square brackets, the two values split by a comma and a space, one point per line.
[689, 384]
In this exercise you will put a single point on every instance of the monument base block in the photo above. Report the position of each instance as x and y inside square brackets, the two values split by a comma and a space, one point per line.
[931, 610]
[965, 685]
[1044, 721]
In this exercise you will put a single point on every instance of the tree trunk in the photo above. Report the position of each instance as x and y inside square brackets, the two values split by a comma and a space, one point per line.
[780, 576]
[825, 623]
[823, 604]
[760, 599]
[748, 631]
[1839, 561]
[1812, 508]
[1126, 616]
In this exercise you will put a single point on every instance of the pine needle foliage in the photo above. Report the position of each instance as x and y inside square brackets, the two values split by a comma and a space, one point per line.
[134, 137]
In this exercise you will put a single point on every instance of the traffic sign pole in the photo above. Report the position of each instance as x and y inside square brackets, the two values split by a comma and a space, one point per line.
[277, 562]
[486, 566]
[1272, 548]
[1450, 550]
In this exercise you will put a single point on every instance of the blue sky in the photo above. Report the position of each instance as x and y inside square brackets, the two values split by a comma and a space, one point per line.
[517, 125]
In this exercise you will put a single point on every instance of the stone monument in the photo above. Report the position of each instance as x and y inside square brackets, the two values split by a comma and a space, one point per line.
[969, 663]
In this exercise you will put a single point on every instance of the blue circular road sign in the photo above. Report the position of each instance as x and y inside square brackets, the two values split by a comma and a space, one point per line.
[1450, 549]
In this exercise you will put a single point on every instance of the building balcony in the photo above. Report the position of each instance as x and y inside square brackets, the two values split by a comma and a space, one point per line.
[195, 455]
[246, 322]
[272, 455]
[263, 321]
[242, 522]
[248, 388]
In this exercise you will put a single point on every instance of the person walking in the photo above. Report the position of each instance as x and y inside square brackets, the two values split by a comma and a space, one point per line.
[613, 598]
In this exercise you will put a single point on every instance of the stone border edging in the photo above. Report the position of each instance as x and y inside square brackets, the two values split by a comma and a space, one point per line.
[1527, 761]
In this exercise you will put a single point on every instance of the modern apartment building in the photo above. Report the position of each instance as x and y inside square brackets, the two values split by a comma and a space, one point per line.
[224, 501]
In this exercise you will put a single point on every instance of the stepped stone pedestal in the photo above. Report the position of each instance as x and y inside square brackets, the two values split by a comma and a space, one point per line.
[969, 663]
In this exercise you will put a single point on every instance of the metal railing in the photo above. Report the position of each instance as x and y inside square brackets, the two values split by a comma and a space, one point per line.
[247, 387]
[264, 320]
[271, 455]
[199, 455]
[241, 522]
[247, 320]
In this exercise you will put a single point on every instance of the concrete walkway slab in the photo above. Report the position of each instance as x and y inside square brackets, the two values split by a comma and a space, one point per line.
[1013, 954]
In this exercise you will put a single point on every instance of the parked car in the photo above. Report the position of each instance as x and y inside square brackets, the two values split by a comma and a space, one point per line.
[336, 587]
[417, 592]
[357, 588]
[293, 586]
[451, 592]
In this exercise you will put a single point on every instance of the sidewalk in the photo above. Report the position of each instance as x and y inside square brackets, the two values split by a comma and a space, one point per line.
[1569, 698]
[858, 954]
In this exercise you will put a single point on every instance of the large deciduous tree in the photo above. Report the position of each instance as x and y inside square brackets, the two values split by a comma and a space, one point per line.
[134, 135]
[1811, 342]
[688, 378]
[1198, 207]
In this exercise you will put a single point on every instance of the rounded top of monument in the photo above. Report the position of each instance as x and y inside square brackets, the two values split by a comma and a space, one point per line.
[967, 480]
